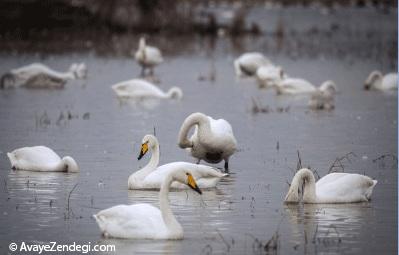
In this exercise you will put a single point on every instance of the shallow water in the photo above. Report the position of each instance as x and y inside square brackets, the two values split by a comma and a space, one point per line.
[246, 210]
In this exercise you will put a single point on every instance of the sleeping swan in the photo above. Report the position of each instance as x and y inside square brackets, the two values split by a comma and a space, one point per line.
[37, 75]
[213, 140]
[139, 88]
[248, 63]
[332, 188]
[300, 86]
[152, 175]
[144, 221]
[148, 56]
[377, 81]
[41, 159]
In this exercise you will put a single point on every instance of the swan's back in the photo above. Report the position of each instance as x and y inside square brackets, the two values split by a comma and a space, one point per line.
[39, 158]
[153, 56]
[137, 88]
[295, 85]
[132, 221]
[390, 81]
[344, 188]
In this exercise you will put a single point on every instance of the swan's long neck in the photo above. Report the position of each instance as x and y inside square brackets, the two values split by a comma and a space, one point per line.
[68, 164]
[170, 221]
[306, 177]
[194, 119]
[151, 165]
[142, 46]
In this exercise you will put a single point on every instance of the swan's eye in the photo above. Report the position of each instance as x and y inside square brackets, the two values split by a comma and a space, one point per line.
[187, 174]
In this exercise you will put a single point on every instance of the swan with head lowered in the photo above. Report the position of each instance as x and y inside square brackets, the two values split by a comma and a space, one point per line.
[37, 75]
[148, 56]
[269, 76]
[212, 140]
[300, 86]
[248, 63]
[139, 88]
[332, 188]
[377, 81]
[152, 175]
[144, 221]
[41, 159]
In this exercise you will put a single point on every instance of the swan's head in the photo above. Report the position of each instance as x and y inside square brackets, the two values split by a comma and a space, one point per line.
[175, 93]
[79, 70]
[149, 141]
[373, 77]
[70, 164]
[142, 43]
[187, 178]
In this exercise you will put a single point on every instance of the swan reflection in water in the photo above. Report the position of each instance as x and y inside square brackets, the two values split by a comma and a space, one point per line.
[327, 226]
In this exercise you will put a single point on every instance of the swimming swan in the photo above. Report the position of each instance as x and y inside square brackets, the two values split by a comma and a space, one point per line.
[37, 75]
[152, 175]
[377, 81]
[332, 188]
[269, 76]
[148, 56]
[144, 221]
[322, 99]
[140, 88]
[248, 63]
[299, 86]
[212, 140]
[41, 159]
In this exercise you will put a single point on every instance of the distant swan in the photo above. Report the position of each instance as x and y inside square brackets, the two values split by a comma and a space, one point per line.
[377, 81]
[248, 63]
[323, 98]
[41, 159]
[213, 140]
[152, 175]
[300, 86]
[140, 88]
[148, 56]
[37, 75]
[332, 188]
[144, 221]
[269, 76]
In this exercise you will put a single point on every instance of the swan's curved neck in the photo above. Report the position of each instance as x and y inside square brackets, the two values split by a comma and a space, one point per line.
[194, 119]
[170, 221]
[306, 177]
[151, 165]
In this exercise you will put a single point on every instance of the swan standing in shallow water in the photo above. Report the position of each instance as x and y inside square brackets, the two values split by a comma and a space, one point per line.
[213, 140]
[148, 56]
[144, 221]
[140, 88]
[332, 188]
[37, 75]
[300, 86]
[248, 63]
[269, 76]
[377, 81]
[152, 175]
[41, 159]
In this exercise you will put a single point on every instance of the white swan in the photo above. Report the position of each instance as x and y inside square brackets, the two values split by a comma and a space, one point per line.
[377, 81]
[248, 63]
[37, 75]
[269, 76]
[300, 86]
[152, 175]
[213, 140]
[41, 159]
[322, 99]
[144, 221]
[332, 188]
[140, 88]
[148, 56]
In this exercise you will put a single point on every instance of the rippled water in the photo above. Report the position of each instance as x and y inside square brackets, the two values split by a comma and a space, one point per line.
[246, 210]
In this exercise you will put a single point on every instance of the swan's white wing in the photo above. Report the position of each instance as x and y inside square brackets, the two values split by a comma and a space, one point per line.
[390, 81]
[295, 85]
[131, 221]
[250, 62]
[137, 88]
[34, 158]
[344, 188]
[153, 55]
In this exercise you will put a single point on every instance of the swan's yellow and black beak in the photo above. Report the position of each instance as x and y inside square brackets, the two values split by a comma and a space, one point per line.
[143, 151]
[192, 184]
